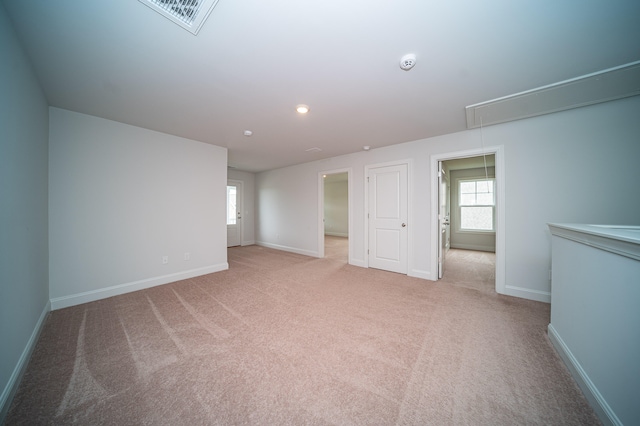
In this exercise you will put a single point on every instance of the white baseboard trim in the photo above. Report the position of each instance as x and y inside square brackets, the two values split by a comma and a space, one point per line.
[289, 249]
[418, 273]
[361, 263]
[11, 388]
[248, 243]
[597, 402]
[527, 293]
[491, 249]
[337, 234]
[103, 293]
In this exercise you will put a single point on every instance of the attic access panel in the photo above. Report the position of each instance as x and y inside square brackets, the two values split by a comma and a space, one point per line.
[607, 85]
[189, 14]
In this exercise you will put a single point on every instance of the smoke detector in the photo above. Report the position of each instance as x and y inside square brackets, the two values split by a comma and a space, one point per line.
[408, 61]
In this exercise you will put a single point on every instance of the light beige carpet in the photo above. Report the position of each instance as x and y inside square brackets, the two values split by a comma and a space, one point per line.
[336, 248]
[283, 339]
[470, 269]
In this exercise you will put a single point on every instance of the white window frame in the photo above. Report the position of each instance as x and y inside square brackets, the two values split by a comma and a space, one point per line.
[461, 205]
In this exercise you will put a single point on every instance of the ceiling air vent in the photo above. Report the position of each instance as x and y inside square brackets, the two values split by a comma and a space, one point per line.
[189, 14]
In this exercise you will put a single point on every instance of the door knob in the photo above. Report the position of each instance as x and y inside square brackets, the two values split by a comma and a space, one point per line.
[404, 225]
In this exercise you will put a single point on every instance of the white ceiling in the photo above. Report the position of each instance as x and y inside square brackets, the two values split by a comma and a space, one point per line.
[254, 61]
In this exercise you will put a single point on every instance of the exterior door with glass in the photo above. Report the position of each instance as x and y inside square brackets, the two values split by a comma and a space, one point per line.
[234, 213]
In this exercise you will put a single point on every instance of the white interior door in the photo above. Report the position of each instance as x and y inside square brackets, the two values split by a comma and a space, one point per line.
[443, 217]
[234, 213]
[388, 207]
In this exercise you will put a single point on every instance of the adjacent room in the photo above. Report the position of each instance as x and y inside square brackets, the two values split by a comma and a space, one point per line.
[220, 212]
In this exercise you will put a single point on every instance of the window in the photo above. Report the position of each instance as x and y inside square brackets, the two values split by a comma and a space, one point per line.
[231, 205]
[477, 204]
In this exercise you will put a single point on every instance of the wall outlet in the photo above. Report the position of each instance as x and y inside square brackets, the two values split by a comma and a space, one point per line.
[165, 260]
[187, 256]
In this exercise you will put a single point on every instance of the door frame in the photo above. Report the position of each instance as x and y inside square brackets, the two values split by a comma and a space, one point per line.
[349, 173]
[367, 168]
[443, 177]
[498, 151]
[239, 205]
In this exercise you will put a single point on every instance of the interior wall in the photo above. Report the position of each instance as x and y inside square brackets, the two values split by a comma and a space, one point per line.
[484, 241]
[121, 199]
[248, 204]
[336, 208]
[562, 167]
[24, 286]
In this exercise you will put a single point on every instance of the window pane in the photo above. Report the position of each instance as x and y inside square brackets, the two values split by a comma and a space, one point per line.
[231, 205]
[467, 199]
[477, 192]
[476, 218]
[485, 199]
[484, 186]
[467, 187]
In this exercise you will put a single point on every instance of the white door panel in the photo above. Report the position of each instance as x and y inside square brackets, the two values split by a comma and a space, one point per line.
[387, 243]
[388, 207]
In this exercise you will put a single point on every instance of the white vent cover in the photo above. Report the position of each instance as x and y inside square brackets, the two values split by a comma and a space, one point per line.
[189, 14]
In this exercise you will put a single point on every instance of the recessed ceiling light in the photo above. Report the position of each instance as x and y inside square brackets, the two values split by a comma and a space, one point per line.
[366, 147]
[302, 108]
[248, 132]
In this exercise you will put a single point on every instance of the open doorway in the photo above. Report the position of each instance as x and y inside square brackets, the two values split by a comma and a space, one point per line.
[335, 215]
[467, 201]
[471, 253]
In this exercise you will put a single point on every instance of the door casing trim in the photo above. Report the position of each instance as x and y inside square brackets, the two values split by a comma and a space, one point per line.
[349, 173]
[500, 208]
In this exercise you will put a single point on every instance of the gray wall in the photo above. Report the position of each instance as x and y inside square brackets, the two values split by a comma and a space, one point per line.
[336, 208]
[24, 255]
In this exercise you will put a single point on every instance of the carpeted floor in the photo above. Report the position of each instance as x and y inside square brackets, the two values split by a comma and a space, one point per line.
[470, 269]
[336, 248]
[282, 338]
